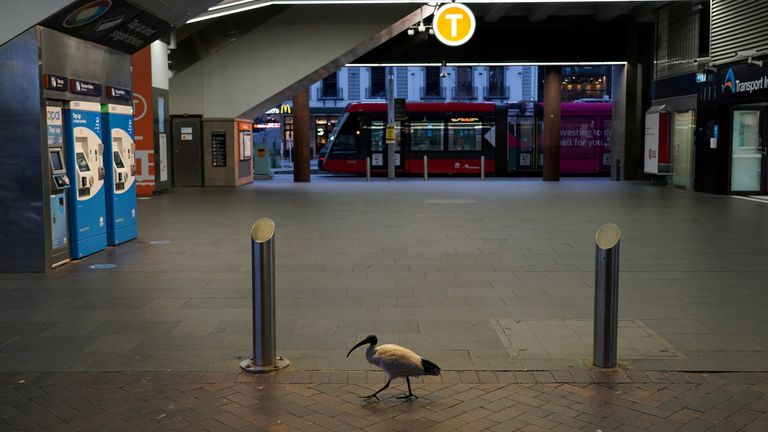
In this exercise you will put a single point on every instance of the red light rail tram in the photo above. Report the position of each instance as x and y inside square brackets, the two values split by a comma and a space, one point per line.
[455, 135]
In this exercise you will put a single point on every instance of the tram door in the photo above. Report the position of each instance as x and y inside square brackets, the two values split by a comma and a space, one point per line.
[378, 150]
[524, 149]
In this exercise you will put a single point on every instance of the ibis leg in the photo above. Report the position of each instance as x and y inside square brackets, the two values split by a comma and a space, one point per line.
[410, 393]
[377, 392]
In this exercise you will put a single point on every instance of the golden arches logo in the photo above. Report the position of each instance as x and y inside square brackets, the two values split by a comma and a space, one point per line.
[454, 24]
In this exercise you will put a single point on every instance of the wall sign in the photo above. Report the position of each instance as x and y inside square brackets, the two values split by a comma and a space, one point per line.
[218, 149]
[119, 93]
[113, 23]
[56, 82]
[453, 24]
[657, 153]
[742, 81]
[87, 88]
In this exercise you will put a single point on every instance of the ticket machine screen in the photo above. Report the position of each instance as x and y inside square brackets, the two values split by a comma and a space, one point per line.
[56, 164]
[82, 163]
[58, 172]
[118, 160]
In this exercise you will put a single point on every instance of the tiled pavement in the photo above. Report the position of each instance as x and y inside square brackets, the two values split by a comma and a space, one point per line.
[490, 280]
[561, 401]
[494, 275]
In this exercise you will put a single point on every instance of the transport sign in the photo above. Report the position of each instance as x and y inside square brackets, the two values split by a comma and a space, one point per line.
[453, 24]
[390, 137]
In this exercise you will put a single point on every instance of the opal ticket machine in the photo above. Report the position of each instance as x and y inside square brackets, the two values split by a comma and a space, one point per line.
[84, 150]
[59, 184]
[120, 161]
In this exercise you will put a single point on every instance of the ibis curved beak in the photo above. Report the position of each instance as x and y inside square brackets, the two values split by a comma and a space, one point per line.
[369, 340]
[359, 344]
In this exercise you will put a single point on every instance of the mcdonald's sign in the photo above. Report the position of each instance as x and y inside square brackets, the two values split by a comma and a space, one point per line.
[285, 109]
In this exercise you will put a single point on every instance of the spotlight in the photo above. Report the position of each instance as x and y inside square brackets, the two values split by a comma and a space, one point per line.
[431, 31]
[411, 32]
[422, 28]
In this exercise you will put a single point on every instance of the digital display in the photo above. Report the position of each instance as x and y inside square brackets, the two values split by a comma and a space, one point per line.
[82, 163]
[118, 160]
[56, 163]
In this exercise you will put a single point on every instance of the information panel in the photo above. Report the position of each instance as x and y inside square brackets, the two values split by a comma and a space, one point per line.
[113, 23]
[218, 149]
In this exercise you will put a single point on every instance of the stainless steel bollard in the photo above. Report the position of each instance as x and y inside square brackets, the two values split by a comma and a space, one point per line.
[263, 282]
[368, 168]
[606, 296]
[425, 168]
[482, 168]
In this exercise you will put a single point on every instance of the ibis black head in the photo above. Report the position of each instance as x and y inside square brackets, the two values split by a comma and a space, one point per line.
[372, 339]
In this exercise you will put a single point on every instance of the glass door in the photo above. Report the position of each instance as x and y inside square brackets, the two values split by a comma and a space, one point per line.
[523, 153]
[747, 151]
[379, 157]
[682, 145]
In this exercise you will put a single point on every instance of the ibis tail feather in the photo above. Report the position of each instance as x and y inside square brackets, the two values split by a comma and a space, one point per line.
[429, 367]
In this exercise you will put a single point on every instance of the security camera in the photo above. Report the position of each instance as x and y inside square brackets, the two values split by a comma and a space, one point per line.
[758, 63]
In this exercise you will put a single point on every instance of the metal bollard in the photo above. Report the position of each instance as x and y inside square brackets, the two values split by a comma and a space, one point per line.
[425, 168]
[482, 168]
[368, 168]
[263, 283]
[606, 296]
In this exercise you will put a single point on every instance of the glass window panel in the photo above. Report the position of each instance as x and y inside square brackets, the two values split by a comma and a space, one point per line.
[496, 80]
[746, 157]
[378, 82]
[682, 142]
[465, 135]
[432, 86]
[330, 85]
[427, 135]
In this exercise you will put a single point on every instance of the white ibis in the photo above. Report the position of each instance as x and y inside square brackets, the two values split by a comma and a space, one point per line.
[396, 362]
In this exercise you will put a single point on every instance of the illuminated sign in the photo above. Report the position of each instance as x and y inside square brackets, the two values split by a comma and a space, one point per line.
[273, 125]
[464, 120]
[453, 24]
[285, 109]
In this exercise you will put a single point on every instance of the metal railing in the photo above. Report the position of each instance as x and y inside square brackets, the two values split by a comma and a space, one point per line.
[375, 93]
[330, 94]
[464, 93]
[437, 92]
[496, 92]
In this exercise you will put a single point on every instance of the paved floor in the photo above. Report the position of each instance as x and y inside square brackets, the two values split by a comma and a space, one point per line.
[474, 276]
[558, 401]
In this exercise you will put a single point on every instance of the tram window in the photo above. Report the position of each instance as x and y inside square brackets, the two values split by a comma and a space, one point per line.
[465, 136]
[427, 135]
[345, 143]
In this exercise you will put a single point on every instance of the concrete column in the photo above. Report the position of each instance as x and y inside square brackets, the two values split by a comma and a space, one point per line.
[301, 131]
[551, 131]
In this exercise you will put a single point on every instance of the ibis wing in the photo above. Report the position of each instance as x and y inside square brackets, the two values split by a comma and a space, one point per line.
[398, 361]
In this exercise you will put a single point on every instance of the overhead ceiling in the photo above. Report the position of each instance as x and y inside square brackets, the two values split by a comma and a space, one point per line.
[490, 10]
[175, 12]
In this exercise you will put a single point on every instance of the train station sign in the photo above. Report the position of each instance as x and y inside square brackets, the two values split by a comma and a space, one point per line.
[453, 24]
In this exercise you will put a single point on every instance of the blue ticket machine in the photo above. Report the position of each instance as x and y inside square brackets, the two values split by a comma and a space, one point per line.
[87, 212]
[120, 162]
